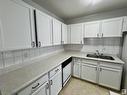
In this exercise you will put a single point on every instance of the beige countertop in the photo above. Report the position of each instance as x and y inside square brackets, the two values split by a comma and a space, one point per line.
[20, 78]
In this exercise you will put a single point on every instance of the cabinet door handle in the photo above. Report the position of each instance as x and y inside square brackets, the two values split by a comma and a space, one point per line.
[51, 82]
[47, 86]
[81, 42]
[97, 34]
[36, 86]
[33, 44]
[100, 69]
[102, 34]
[96, 68]
[39, 44]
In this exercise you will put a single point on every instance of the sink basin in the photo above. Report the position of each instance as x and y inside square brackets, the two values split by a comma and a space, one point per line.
[100, 56]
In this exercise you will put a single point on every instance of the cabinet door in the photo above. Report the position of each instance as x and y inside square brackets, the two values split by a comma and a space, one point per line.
[15, 25]
[124, 24]
[44, 29]
[92, 29]
[56, 32]
[43, 90]
[69, 34]
[64, 34]
[89, 72]
[56, 83]
[112, 27]
[77, 34]
[76, 70]
[110, 77]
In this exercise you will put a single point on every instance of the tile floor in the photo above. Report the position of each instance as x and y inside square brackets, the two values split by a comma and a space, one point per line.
[79, 87]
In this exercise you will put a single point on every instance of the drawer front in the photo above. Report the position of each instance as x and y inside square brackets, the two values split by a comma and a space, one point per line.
[34, 86]
[92, 62]
[54, 71]
[76, 59]
[111, 65]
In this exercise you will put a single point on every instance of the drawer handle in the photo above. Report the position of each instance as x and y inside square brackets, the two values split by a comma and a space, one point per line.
[36, 86]
[56, 70]
[51, 82]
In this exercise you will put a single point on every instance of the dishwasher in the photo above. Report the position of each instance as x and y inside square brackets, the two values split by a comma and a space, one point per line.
[66, 71]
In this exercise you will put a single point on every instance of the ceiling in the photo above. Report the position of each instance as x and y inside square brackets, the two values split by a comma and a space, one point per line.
[70, 9]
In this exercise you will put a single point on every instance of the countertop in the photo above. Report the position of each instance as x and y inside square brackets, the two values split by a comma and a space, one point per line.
[20, 78]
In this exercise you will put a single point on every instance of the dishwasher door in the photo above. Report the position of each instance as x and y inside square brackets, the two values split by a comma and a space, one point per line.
[66, 73]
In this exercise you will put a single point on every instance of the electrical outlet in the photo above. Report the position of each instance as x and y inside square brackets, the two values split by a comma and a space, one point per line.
[124, 92]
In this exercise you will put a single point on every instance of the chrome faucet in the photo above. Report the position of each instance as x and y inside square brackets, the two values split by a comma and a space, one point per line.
[97, 52]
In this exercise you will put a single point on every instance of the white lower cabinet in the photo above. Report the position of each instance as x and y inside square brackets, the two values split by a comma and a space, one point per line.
[77, 69]
[110, 77]
[43, 90]
[39, 87]
[56, 82]
[103, 73]
[89, 72]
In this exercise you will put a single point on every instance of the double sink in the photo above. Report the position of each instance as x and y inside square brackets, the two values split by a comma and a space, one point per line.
[100, 56]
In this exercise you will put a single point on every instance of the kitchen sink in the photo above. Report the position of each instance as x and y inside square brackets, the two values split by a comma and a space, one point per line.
[100, 56]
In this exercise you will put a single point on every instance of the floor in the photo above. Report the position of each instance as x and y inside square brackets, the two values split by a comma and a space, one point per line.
[80, 87]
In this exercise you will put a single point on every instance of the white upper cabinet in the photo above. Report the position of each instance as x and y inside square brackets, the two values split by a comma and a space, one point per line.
[77, 33]
[68, 34]
[105, 28]
[64, 33]
[112, 27]
[56, 32]
[92, 29]
[15, 25]
[124, 24]
[44, 29]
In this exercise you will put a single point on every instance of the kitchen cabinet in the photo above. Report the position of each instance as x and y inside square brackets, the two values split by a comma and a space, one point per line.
[105, 28]
[69, 34]
[110, 77]
[89, 72]
[76, 33]
[77, 68]
[112, 27]
[15, 25]
[64, 33]
[124, 24]
[39, 87]
[56, 32]
[92, 29]
[103, 73]
[43, 90]
[56, 82]
[44, 29]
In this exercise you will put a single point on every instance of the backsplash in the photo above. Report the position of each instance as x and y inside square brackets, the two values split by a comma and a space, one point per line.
[9, 58]
[104, 45]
